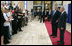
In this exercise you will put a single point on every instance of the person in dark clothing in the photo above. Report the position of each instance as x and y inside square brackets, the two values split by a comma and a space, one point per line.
[19, 14]
[15, 22]
[2, 22]
[54, 22]
[46, 15]
[43, 14]
[2, 28]
[49, 15]
[35, 13]
[26, 18]
[6, 38]
[62, 24]
[19, 22]
[38, 13]
[10, 7]
[32, 14]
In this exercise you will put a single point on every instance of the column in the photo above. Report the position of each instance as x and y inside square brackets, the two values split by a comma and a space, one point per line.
[25, 4]
[29, 5]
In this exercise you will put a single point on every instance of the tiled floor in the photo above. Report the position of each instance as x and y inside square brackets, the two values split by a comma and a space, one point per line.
[33, 34]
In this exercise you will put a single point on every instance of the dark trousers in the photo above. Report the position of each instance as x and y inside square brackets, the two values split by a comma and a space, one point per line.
[22, 19]
[14, 26]
[26, 20]
[62, 35]
[35, 16]
[49, 17]
[6, 34]
[41, 18]
[19, 23]
[44, 16]
[2, 30]
[54, 29]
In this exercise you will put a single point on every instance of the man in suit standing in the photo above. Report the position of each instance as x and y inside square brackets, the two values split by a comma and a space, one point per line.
[62, 24]
[38, 13]
[49, 15]
[2, 28]
[43, 14]
[54, 22]
[14, 22]
[35, 13]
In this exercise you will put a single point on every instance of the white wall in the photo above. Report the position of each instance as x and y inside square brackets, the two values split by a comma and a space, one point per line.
[29, 5]
[14, 2]
[66, 2]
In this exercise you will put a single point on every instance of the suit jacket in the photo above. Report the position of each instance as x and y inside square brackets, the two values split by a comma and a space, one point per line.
[62, 20]
[35, 13]
[47, 13]
[15, 17]
[55, 17]
[2, 19]
[2, 23]
[43, 13]
[10, 7]
[40, 13]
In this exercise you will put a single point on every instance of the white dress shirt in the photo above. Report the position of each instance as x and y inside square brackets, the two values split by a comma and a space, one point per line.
[54, 11]
[49, 12]
[7, 23]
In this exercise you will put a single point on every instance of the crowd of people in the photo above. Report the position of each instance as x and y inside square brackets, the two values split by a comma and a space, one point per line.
[13, 18]
[42, 14]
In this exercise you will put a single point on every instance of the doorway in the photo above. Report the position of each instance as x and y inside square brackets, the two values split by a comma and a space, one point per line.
[37, 8]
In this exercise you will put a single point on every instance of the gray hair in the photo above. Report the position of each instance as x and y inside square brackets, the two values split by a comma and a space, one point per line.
[63, 7]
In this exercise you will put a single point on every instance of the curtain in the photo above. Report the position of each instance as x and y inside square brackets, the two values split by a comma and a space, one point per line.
[69, 13]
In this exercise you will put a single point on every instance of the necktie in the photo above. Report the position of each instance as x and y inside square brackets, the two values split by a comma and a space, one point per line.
[61, 14]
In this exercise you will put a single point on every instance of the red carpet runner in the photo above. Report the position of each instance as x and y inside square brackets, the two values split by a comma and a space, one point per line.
[67, 38]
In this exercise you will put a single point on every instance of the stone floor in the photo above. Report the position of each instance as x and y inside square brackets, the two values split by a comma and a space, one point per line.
[68, 27]
[33, 34]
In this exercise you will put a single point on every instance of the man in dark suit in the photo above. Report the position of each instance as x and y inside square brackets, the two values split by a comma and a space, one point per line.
[10, 7]
[35, 13]
[2, 22]
[49, 15]
[62, 24]
[43, 13]
[2, 28]
[38, 13]
[55, 22]
[41, 16]
[15, 22]
[19, 15]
